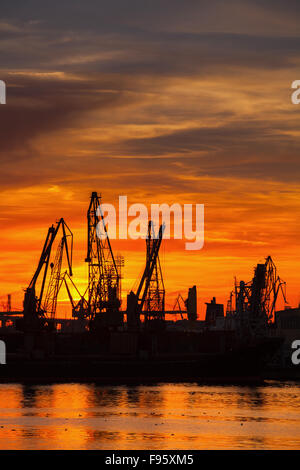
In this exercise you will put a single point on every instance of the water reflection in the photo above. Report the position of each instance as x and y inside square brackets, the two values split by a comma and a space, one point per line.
[31, 396]
[181, 416]
[250, 397]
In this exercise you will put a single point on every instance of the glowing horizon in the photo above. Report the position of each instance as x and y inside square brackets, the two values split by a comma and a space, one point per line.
[192, 107]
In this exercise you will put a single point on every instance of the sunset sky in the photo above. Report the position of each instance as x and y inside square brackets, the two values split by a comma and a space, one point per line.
[163, 101]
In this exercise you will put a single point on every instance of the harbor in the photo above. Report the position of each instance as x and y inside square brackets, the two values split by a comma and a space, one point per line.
[104, 343]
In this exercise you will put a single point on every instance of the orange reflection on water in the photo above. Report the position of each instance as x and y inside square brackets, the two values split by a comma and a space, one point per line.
[164, 416]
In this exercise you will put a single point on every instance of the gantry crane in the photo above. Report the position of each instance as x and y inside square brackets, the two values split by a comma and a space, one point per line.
[36, 307]
[150, 286]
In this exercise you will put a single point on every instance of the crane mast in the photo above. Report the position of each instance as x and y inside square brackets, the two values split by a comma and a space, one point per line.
[104, 279]
[50, 302]
[136, 301]
[256, 300]
[35, 306]
[155, 297]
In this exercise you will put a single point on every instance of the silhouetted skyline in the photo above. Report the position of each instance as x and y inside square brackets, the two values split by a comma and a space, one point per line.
[168, 101]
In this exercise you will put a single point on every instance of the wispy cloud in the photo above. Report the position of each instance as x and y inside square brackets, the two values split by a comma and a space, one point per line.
[165, 101]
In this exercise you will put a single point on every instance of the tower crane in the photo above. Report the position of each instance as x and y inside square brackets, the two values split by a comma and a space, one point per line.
[104, 271]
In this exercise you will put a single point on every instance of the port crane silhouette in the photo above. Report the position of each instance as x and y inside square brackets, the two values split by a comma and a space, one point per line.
[37, 306]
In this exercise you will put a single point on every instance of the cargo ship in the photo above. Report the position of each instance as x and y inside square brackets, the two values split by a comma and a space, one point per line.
[135, 356]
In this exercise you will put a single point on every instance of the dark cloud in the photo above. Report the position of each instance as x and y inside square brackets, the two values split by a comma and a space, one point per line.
[144, 52]
[260, 150]
[226, 138]
[42, 104]
[215, 15]
[104, 57]
[148, 37]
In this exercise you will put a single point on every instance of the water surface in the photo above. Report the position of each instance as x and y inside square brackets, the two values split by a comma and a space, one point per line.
[163, 416]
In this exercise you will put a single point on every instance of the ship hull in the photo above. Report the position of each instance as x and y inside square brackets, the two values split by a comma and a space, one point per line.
[240, 364]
